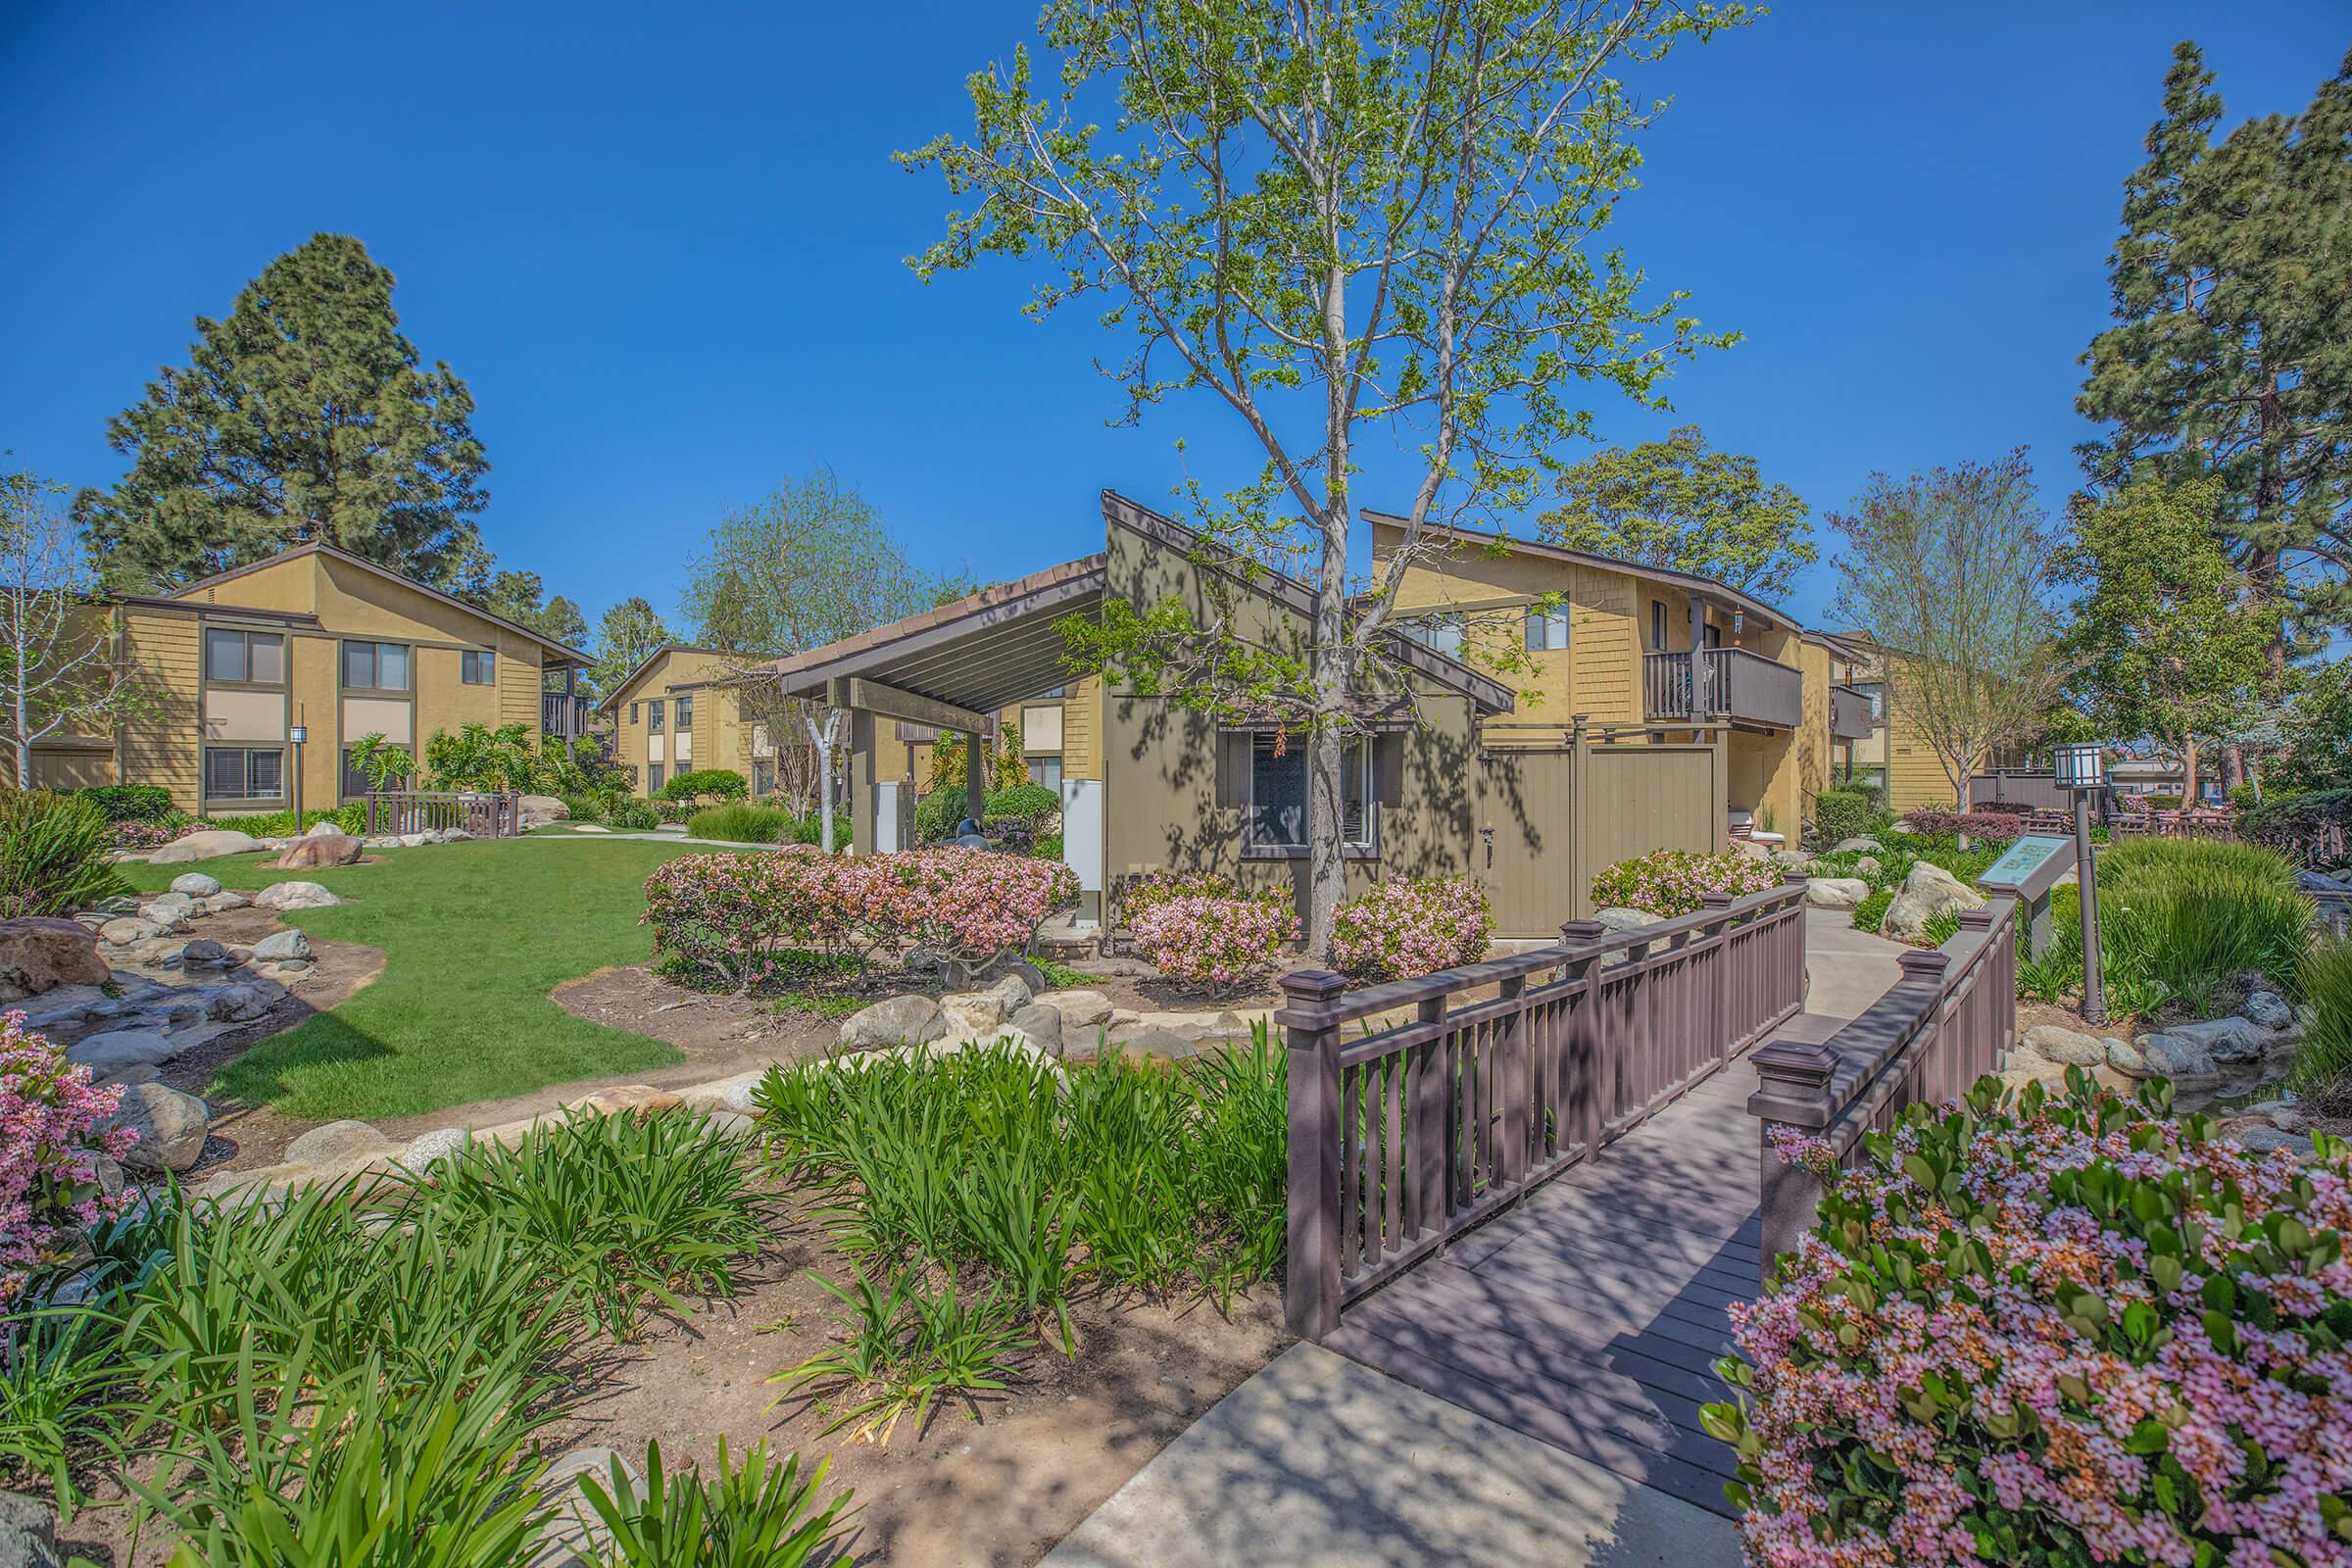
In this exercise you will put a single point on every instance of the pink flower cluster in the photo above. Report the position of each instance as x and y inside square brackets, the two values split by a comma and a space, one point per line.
[49, 1147]
[732, 918]
[1206, 931]
[135, 835]
[2054, 1332]
[1672, 882]
[1403, 929]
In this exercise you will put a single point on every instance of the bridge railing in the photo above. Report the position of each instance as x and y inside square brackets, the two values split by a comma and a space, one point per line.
[1949, 1020]
[485, 815]
[1509, 1072]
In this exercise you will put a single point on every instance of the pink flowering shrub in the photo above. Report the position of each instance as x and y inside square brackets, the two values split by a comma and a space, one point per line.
[2054, 1331]
[731, 920]
[1672, 882]
[49, 1147]
[1140, 893]
[1224, 943]
[1403, 929]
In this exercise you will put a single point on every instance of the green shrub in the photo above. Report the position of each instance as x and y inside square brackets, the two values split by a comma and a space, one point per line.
[811, 829]
[2322, 1068]
[1047, 846]
[632, 816]
[128, 803]
[937, 813]
[53, 855]
[2314, 830]
[1871, 912]
[1840, 815]
[705, 784]
[743, 823]
[760, 1514]
[1026, 803]
[351, 819]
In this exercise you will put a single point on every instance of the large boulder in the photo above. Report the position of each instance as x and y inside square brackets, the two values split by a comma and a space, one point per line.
[1835, 891]
[294, 896]
[222, 902]
[28, 1530]
[171, 1126]
[38, 954]
[540, 810]
[205, 845]
[909, 1019]
[195, 885]
[2269, 1009]
[2169, 1055]
[128, 931]
[337, 1141]
[2224, 1040]
[110, 1053]
[281, 946]
[1752, 849]
[1079, 1010]
[2068, 1048]
[976, 1013]
[1928, 892]
[1041, 1023]
[315, 850]
[1789, 860]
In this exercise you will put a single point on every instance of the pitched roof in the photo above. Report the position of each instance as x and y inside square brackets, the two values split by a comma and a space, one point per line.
[321, 548]
[1689, 582]
[647, 662]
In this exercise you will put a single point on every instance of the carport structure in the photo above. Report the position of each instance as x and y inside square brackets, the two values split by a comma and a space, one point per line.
[951, 668]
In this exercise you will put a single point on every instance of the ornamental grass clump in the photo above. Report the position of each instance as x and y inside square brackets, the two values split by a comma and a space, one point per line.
[2053, 1330]
[1674, 882]
[53, 1133]
[1403, 929]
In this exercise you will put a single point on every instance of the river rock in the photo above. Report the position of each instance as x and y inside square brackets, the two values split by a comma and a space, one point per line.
[1835, 891]
[2263, 1139]
[337, 1141]
[108, 1054]
[128, 931]
[203, 846]
[909, 1019]
[39, 955]
[281, 946]
[222, 902]
[316, 849]
[1079, 1010]
[441, 1143]
[2169, 1055]
[1790, 859]
[1041, 1023]
[195, 884]
[204, 954]
[734, 1094]
[1851, 846]
[239, 1003]
[2224, 1040]
[1752, 849]
[2269, 1010]
[1160, 1044]
[575, 1530]
[294, 896]
[2125, 1058]
[28, 1524]
[1868, 865]
[1928, 892]
[976, 1013]
[2068, 1048]
[167, 911]
[171, 1126]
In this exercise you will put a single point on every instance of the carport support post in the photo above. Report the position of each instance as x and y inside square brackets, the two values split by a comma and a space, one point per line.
[975, 778]
[861, 782]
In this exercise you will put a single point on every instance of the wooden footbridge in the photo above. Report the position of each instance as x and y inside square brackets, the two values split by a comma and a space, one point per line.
[1540, 1198]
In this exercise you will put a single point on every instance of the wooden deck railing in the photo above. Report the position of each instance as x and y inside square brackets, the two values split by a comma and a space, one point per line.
[1513, 1070]
[2039, 792]
[1722, 683]
[1949, 1020]
[483, 814]
[1850, 714]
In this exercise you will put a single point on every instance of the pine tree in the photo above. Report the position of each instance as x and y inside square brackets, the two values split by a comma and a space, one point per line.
[2232, 349]
[301, 416]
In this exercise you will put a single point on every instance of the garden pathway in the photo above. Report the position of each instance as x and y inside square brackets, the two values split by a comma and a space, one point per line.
[1545, 1372]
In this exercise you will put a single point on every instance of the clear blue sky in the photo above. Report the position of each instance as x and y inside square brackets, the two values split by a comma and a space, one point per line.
[664, 246]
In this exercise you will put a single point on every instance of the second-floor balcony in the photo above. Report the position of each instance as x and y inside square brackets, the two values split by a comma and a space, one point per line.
[1722, 683]
[1850, 714]
[564, 715]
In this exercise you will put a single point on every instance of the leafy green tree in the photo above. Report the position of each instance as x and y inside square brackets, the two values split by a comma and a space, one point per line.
[1379, 222]
[1675, 504]
[2316, 735]
[479, 757]
[305, 414]
[58, 670]
[2231, 352]
[2167, 642]
[1945, 572]
[522, 598]
[632, 632]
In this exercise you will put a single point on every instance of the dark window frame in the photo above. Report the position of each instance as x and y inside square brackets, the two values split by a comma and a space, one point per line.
[245, 641]
[354, 783]
[1539, 625]
[1657, 626]
[1359, 763]
[655, 776]
[653, 715]
[245, 755]
[477, 667]
[375, 667]
[681, 712]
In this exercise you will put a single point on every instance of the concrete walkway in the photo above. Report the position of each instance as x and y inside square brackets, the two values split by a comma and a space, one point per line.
[1322, 1460]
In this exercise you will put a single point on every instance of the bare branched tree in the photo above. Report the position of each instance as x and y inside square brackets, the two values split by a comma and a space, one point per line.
[1947, 573]
[58, 663]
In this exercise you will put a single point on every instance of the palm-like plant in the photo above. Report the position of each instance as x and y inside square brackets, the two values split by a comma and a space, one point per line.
[479, 757]
[381, 763]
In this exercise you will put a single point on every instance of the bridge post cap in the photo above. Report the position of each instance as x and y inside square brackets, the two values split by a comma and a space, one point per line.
[1716, 900]
[1794, 875]
[1924, 964]
[1313, 985]
[1796, 1063]
[1581, 930]
[1979, 919]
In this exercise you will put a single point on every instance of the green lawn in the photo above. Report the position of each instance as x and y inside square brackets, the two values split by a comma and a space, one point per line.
[474, 937]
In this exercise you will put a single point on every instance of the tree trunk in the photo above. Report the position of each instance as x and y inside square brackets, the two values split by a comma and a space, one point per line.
[822, 739]
[2189, 773]
[1327, 868]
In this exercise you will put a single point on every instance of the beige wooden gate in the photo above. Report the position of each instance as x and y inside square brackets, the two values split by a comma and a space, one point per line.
[1553, 807]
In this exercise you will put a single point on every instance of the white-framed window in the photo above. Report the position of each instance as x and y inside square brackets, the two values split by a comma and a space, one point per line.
[478, 666]
[1275, 818]
[247, 658]
[375, 667]
[1546, 629]
[244, 773]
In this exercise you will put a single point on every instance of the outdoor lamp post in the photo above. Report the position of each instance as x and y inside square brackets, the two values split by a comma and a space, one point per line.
[2082, 768]
[297, 734]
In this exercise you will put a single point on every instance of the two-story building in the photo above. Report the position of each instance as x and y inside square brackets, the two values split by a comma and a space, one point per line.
[261, 680]
[680, 711]
[1622, 644]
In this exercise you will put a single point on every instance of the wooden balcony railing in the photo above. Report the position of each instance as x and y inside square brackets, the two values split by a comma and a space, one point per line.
[1514, 1069]
[483, 814]
[2036, 790]
[1728, 683]
[1850, 714]
[562, 715]
[1949, 1020]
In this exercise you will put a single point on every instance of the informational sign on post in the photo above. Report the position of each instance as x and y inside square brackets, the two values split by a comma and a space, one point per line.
[2029, 869]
